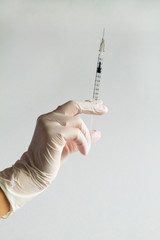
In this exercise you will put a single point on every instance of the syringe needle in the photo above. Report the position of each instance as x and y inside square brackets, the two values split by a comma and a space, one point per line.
[103, 32]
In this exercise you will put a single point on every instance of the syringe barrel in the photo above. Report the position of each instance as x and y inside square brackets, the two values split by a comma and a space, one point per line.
[98, 76]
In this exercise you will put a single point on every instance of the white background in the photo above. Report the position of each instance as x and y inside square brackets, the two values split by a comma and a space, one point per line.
[48, 56]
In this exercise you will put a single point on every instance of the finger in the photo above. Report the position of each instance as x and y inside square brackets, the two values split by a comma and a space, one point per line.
[73, 108]
[75, 135]
[77, 122]
[71, 146]
[74, 122]
[95, 136]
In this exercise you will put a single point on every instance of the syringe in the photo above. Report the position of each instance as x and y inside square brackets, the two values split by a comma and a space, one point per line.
[98, 73]
[99, 69]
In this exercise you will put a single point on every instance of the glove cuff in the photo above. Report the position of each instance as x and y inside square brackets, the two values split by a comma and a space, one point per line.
[22, 182]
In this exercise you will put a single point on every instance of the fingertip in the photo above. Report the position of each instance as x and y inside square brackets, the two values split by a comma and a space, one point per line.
[100, 108]
[105, 109]
[85, 152]
[95, 135]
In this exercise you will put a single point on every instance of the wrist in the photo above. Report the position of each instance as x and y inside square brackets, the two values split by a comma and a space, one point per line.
[4, 204]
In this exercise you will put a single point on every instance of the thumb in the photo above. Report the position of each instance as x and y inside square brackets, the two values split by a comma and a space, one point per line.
[95, 135]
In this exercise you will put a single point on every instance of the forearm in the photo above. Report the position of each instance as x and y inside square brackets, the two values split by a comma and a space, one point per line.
[4, 204]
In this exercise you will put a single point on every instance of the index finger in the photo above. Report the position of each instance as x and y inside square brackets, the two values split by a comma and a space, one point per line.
[72, 108]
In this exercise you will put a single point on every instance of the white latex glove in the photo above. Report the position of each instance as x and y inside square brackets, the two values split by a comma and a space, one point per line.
[57, 135]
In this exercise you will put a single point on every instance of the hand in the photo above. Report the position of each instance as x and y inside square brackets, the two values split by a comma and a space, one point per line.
[57, 135]
[61, 132]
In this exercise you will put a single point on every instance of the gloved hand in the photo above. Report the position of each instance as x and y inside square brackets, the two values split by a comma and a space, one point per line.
[57, 135]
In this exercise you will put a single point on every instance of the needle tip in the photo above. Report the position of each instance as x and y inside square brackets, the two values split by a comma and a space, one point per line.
[103, 32]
